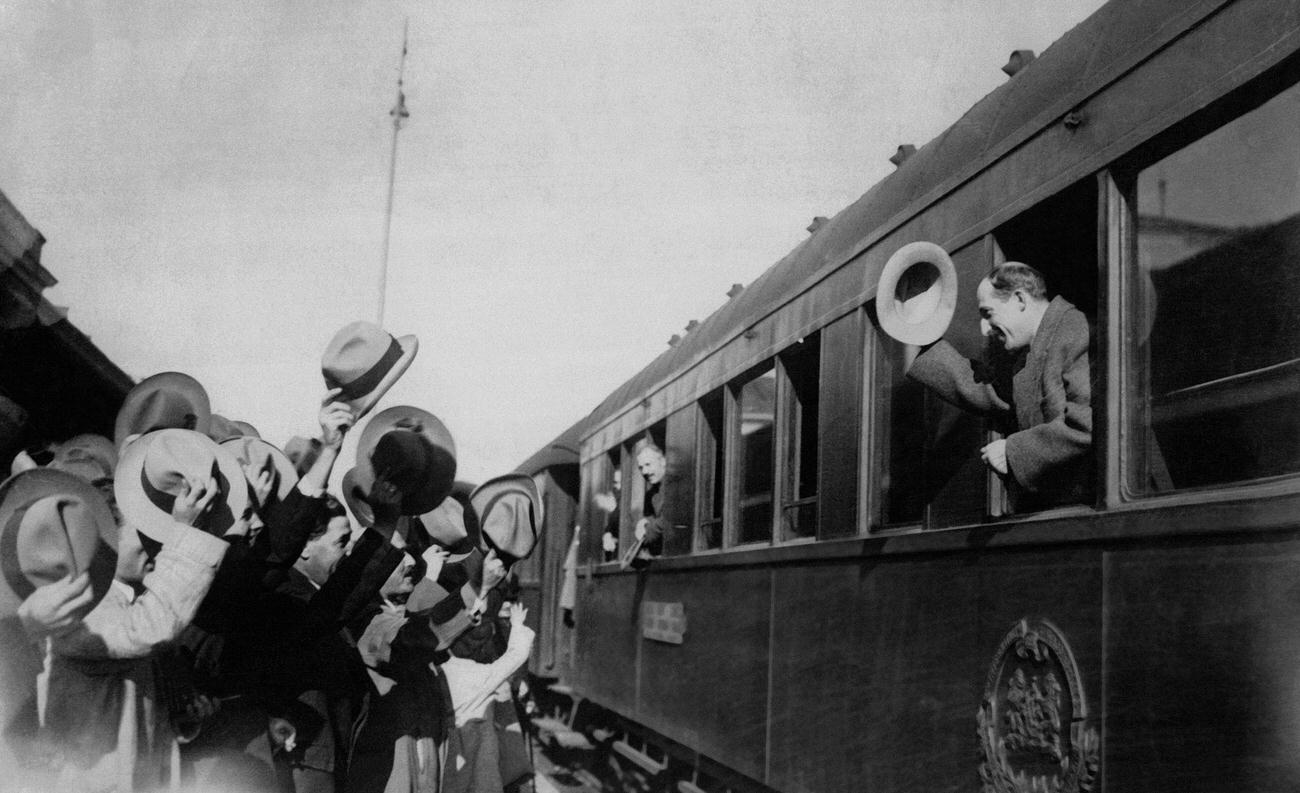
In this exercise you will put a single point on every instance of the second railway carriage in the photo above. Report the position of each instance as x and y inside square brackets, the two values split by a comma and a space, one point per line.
[846, 600]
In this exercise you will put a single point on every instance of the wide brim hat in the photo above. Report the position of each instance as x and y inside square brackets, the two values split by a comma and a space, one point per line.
[258, 455]
[92, 457]
[416, 450]
[509, 510]
[303, 452]
[52, 525]
[364, 360]
[152, 473]
[167, 400]
[221, 429]
[246, 429]
[917, 293]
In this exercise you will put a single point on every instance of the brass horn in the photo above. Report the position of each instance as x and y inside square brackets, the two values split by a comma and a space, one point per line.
[917, 293]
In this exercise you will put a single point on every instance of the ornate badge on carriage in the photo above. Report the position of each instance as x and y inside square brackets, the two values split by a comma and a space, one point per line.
[1032, 721]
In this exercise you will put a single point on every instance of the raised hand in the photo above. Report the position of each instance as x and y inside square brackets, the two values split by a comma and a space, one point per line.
[336, 418]
[194, 501]
[55, 608]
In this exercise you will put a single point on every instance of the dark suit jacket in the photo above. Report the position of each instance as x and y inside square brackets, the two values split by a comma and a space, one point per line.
[1043, 403]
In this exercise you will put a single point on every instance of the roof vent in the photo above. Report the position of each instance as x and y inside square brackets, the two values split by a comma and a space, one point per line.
[692, 325]
[905, 151]
[817, 223]
[735, 290]
[674, 340]
[1018, 60]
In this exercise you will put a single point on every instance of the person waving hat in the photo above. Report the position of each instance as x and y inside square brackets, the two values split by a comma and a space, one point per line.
[165, 464]
[258, 458]
[413, 450]
[364, 361]
[167, 400]
[53, 525]
[509, 510]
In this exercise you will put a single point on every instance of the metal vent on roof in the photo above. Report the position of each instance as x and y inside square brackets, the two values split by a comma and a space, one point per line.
[674, 340]
[817, 223]
[1019, 59]
[692, 325]
[904, 151]
[735, 290]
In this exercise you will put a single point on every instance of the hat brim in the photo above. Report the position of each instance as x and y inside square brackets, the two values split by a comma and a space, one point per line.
[179, 382]
[139, 512]
[487, 494]
[22, 490]
[922, 317]
[363, 404]
[436, 488]
[287, 475]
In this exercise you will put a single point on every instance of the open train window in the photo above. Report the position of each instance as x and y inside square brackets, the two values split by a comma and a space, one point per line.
[799, 367]
[752, 461]
[711, 462]
[1212, 375]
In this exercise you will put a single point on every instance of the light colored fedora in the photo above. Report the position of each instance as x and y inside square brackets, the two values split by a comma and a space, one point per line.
[153, 472]
[91, 457]
[255, 456]
[917, 293]
[365, 360]
[52, 525]
[167, 400]
[509, 510]
[416, 450]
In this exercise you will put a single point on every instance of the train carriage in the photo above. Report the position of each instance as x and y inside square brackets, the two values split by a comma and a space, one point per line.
[847, 599]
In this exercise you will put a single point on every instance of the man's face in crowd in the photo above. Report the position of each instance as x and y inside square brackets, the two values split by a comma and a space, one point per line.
[321, 555]
[651, 463]
[1004, 319]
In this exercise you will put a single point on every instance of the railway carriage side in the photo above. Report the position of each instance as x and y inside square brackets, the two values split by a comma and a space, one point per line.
[848, 599]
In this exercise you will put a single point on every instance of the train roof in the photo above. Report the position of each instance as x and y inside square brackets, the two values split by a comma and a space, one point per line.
[1083, 61]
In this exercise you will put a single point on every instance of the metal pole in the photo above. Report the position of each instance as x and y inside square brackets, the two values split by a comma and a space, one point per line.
[398, 113]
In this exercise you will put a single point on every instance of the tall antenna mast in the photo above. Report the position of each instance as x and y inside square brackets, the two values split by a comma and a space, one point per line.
[399, 113]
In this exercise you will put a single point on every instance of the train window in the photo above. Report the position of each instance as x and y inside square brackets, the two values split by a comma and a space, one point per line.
[1212, 383]
[799, 367]
[608, 501]
[711, 470]
[753, 459]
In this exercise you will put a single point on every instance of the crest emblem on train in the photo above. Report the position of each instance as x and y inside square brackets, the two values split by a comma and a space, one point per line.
[1033, 720]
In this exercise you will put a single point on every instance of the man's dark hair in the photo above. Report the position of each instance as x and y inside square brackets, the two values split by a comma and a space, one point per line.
[1007, 278]
[333, 509]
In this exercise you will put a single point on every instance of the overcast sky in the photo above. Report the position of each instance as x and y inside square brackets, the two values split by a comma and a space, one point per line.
[577, 179]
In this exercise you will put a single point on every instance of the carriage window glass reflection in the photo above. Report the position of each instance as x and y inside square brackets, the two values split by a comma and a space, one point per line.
[799, 409]
[1214, 381]
[712, 467]
[755, 404]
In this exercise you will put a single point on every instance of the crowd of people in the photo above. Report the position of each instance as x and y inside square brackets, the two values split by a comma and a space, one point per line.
[186, 606]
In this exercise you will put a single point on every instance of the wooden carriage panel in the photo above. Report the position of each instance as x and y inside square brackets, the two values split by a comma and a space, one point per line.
[885, 660]
[839, 424]
[710, 691]
[679, 481]
[1203, 683]
[605, 655]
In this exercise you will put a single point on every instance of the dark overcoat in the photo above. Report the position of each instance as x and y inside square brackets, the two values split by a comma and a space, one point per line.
[1043, 403]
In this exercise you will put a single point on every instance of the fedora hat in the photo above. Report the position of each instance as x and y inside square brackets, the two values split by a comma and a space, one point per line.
[451, 525]
[91, 457]
[246, 429]
[302, 452]
[364, 361]
[255, 456]
[416, 451]
[917, 293]
[153, 472]
[509, 510]
[221, 428]
[52, 525]
[167, 400]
